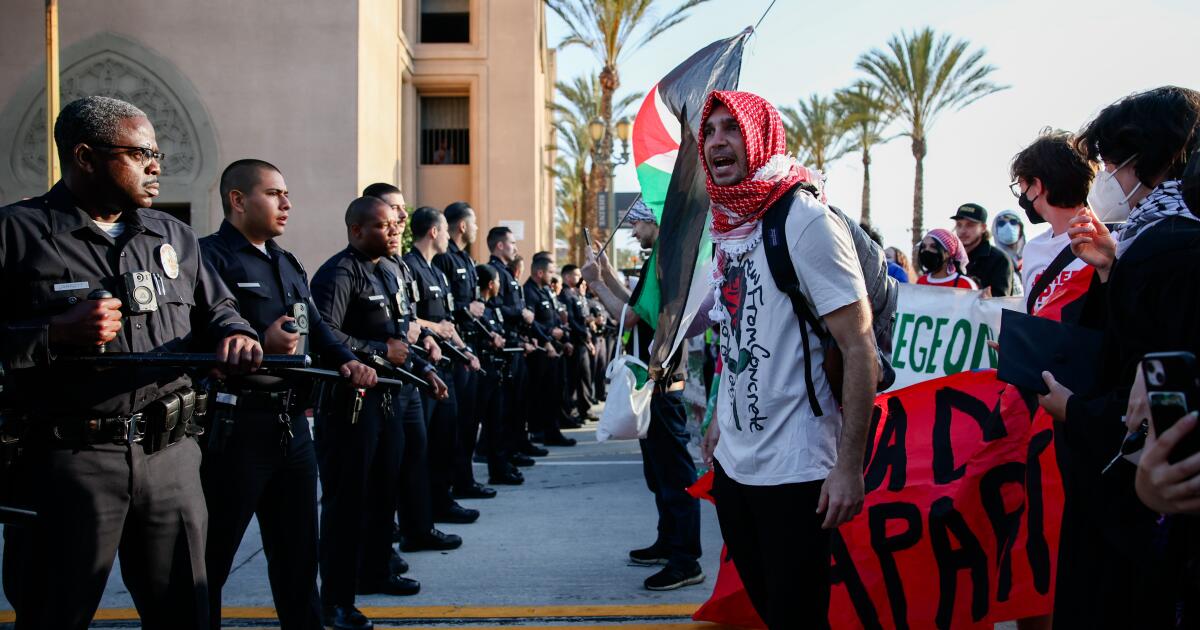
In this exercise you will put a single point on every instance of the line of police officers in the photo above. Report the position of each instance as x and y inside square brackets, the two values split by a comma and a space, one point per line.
[166, 464]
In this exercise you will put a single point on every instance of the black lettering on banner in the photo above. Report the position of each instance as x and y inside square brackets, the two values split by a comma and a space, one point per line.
[946, 401]
[891, 454]
[843, 572]
[945, 520]
[887, 546]
[1005, 524]
[1035, 540]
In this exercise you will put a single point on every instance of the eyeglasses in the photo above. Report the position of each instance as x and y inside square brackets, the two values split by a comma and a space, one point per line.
[1015, 188]
[144, 154]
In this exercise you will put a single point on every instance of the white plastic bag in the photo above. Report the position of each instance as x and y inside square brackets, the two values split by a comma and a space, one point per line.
[626, 414]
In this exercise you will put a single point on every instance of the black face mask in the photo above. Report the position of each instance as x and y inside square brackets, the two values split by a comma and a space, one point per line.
[930, 261]
[1027, 205]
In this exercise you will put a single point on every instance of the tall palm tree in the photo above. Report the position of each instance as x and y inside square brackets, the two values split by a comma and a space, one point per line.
[867, 117]
[921, 75]
[610, 29]
[579, 103]
[816, 131]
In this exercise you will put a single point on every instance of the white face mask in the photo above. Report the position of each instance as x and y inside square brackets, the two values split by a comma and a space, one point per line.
[1008, 234]
[1107, 199]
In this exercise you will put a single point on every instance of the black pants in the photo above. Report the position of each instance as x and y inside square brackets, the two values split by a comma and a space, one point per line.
[599, 366]
[94, 503]
[466, 387]
[774, 536]
[360, 467]
[669, 471]
[441, 425]
[254, 475]
[412, 495]
[544, 391]
[489, 406]
[579, 380]
[516, 406]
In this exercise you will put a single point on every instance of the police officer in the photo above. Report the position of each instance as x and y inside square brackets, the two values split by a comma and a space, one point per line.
[459, 269]
[546, 369]
[510, 303]
[105, 473]
[360, 438]
[413, 502]
[264, 463]
[491, 402]
[579, 372]
[435, 306]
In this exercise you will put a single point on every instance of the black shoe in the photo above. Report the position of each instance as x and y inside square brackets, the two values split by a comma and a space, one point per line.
[345, 618]
[521, 460]
[393, 585]
[396, 564]
[650, 556]
[474, 491]
[507, 478]
[569, 423]
[671, 578]
[560, 441]
[435, 540]
[533, 451]
[456, 514]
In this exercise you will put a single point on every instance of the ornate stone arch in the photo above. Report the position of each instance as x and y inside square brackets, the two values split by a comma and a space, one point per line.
[111, 65]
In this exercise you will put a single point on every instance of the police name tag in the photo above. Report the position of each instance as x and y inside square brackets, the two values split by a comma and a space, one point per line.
[70, 286]
[249, 285]
[461, 271]
[375, 298]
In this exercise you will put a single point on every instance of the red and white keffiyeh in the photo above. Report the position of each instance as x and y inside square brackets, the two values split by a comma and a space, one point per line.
[737, 209]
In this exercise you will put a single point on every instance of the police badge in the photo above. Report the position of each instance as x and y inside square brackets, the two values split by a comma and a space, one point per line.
[169, 260]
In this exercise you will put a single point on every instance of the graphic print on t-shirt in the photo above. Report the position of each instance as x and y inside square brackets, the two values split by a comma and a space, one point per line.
[740, 350]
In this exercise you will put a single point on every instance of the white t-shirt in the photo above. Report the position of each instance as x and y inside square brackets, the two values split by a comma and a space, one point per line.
[769, 435]
[115, 229]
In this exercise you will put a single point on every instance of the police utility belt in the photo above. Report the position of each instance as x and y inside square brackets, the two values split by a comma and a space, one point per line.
[157, 426]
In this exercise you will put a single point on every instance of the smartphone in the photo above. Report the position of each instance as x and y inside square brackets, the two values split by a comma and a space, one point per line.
[587, 238]
[1173, 389]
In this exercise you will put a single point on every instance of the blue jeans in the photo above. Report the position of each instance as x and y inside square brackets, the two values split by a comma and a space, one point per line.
[669, 471]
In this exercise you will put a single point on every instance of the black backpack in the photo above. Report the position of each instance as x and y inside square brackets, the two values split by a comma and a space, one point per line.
[882, 291]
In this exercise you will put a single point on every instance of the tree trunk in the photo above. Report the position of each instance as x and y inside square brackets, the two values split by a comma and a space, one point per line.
[918, 150]
[866, 194]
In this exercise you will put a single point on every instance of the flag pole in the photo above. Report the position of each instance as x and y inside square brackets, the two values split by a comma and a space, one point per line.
[52, 90]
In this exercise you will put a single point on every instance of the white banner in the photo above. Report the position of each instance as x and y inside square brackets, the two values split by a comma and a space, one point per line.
[942, 331]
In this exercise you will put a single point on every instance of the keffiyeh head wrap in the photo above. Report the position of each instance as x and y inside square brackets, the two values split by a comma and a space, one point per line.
[639, 211]
[737, 209]
[954, 247]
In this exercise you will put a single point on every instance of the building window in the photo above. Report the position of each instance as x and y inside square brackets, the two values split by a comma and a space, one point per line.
[445, 130]
[445, 21]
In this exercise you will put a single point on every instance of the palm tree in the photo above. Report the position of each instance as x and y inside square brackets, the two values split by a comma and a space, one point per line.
[921, 75]
[611, 28]
[816, 131]
[579, 104]
[867, 117]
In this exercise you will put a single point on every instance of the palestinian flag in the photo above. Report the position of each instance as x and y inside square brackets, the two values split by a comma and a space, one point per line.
[669, 115]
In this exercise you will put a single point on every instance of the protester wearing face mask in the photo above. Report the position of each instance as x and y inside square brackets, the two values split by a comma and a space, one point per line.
[899, 266]
[1149, 263]
[1010, 238]
[943, 259]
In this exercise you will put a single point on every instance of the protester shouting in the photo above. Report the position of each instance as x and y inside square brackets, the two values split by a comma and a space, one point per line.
[785, 473]
[943, 259]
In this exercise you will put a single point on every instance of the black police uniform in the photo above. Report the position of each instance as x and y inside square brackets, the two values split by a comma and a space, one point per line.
[266, 464]
[434, 303]
[490, 400]
[96, 493]
[459, 269]
[545, 402]
[360, 453]
[517, 413]
[579, 365]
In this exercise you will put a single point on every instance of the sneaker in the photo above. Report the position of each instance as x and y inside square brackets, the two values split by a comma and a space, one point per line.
[648, 557]
[671, 578]
[345, 618]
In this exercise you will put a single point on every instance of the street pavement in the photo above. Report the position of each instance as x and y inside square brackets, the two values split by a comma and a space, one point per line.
[549, 553]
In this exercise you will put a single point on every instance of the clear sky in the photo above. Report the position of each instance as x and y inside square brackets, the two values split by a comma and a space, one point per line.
[1063, 61]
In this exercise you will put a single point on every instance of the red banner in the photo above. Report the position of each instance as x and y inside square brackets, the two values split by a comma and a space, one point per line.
[961, 521]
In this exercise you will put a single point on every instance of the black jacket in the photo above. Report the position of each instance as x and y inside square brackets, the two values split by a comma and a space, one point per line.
[992, 268]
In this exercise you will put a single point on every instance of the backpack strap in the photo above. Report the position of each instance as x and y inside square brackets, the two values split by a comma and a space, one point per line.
[1060, 262]
[779, 260]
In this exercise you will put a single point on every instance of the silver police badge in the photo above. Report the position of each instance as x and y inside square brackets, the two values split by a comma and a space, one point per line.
[169, 260]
